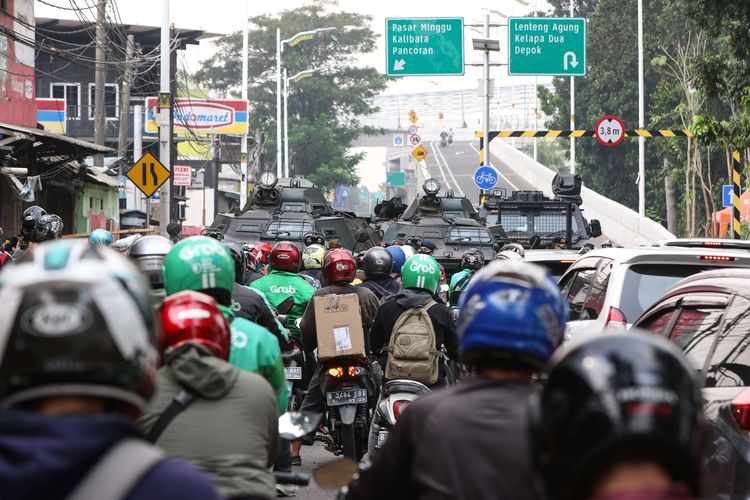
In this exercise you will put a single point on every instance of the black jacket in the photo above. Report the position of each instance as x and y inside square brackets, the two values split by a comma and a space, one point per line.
[442, 321]
[248, 304]
[377, 285]
[465, 442]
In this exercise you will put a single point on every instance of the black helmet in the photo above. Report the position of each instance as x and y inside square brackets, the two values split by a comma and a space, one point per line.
[313, 238]
[616, 397]
[76, 321]
[472, 259]
[28, 221]
[377, 262]
[240, 260]
[149, 253]
[48, 227]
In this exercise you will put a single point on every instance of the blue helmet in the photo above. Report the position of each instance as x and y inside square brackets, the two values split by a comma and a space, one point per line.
[101, 237]
[513, 307]
[399, 257]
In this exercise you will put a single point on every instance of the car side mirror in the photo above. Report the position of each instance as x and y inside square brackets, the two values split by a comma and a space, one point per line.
[595, 228]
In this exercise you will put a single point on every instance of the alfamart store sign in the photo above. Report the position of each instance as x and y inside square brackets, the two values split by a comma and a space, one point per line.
[201, 116]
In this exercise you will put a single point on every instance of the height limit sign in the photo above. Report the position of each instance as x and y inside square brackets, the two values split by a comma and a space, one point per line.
[610, 131]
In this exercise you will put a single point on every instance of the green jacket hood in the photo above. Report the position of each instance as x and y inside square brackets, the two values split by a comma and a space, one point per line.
[194, 367]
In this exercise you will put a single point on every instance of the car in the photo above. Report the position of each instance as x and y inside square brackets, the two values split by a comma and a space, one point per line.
[704, 243]
[708, 316]
[555, 261]
[611, 287]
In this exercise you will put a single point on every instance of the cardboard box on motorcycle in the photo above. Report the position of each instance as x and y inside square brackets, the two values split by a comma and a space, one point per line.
[338, 325]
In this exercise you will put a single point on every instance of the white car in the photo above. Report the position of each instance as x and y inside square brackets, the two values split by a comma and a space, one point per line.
[611, 287]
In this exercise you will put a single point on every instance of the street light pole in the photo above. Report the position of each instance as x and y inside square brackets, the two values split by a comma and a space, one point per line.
[572, 112]
[286, 125]
[641, 119]
[243, 144]
[278, 103]
[486, 110]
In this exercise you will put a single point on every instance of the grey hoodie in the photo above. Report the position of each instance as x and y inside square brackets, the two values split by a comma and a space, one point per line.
[230, 430]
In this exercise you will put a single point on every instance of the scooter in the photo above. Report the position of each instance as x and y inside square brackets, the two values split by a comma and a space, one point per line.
[292, 358]
[396, 396]
[347, 395]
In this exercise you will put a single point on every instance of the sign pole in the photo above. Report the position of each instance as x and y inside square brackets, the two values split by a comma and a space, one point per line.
[736, 171]
[278, 103]
[243, 144]
[572, 112]
[641, 119]
[486, 102]
[165, 103]
[137, 153]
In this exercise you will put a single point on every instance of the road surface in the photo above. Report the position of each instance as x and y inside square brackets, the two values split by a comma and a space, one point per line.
[312, 457]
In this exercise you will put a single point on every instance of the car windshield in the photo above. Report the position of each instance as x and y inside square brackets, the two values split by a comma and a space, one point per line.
[288, 230]
[469, 235]
[403, 231]
[645, 283]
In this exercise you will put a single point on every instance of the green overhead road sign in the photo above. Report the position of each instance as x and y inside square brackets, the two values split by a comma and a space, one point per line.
[395, 179]
[424, 46]
[553, 46]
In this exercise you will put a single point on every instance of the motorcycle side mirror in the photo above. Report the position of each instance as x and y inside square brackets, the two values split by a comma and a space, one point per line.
[294, 425]
[596, 228]
[285, 306]
[335, 474]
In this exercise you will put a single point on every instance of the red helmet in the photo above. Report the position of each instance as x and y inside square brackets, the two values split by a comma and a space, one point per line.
[339, 266]
[262, 251]
[285, 257]
[194, 317]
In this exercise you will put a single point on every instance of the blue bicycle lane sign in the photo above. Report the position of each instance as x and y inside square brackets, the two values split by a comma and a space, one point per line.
[485, 177]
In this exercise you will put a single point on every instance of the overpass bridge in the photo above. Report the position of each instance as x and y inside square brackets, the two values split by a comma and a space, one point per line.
[454, 167]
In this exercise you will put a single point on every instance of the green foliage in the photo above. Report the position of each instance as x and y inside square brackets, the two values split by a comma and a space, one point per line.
[323, 109]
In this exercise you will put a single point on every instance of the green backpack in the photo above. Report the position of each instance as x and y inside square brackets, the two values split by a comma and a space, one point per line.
[412, 349]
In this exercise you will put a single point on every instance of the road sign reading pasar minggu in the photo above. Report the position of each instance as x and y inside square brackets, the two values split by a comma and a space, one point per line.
[610, 131]
[424, 46]
[547, 46]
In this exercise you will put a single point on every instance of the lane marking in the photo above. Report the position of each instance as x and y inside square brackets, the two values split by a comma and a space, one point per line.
[437, 160]
[498, 170]
[448, 168]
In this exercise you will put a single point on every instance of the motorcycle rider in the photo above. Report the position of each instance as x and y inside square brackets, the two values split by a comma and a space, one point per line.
[312, 261]
[250, 303]
[513, 318]
[251, 264]
[148, 253]
[339, 268]
[620, 417]
[195, 346]
[377, 264]
[283, 282]
[399, 257]
[101, 236]
[203, 264]
[75, 377]
[471, 261]
[420, 277]
[28, 223]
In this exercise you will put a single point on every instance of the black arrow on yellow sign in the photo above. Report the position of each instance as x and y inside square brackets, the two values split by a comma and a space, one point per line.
[419, 153]
[148, 174]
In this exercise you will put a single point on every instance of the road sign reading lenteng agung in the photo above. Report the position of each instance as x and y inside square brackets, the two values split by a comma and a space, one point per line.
[553, 46]
[424, 46]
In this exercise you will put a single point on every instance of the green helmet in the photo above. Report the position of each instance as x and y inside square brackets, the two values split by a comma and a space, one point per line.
[421, 271]
[199, 263]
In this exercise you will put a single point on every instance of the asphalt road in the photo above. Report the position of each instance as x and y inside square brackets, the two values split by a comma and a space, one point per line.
[454, 167]
[312, 457]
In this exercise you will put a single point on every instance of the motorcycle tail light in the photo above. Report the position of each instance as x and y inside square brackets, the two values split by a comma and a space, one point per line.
[336, 371]
[740, 407]
[355, 371]
[616, 319]
[399, 406]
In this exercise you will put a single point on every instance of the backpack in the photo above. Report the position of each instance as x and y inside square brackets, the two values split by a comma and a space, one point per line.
[412, 349]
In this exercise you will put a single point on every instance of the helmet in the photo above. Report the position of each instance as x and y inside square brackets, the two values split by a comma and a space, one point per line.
[240, 261]
[512, 307]
[421, 271]
[472, 259]
[28, 221]
[408, 251]
[263, 251]
[76, 320]
[310, 239]
[513, 247]
[101, 237]
[378, 262]
[196, 318]
[398, 257]
[339, 266]
[285, 256]
[149, 253]
[616, 397]
[202, 264]
[48, 227]
[312, 256]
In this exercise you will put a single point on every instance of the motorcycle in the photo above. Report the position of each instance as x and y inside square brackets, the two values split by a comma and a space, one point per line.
[347, 395]
[396, 396]
[292, 358]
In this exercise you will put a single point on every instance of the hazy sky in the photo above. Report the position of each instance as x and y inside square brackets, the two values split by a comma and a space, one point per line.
[225, 16]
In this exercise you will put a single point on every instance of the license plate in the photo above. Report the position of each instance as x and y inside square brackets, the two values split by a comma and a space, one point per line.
[348, 397]
[293, 372]
[382, 436]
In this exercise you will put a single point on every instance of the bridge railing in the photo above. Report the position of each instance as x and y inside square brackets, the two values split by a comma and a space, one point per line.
[619, 223]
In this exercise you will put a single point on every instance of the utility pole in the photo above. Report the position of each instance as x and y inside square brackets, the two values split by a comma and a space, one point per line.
[127, 79]
[137, 153]
[173, 206]
[100, 78]
[572, 112]
[165, 103]
[641, 119]
[487, 96]
[278, 102]
[243, 144]
[216, 170]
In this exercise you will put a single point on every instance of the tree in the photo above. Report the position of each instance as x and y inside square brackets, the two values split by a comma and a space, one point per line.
[324, 110]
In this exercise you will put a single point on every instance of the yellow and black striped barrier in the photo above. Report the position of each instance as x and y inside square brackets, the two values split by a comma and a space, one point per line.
[736, 170]
[553, 134]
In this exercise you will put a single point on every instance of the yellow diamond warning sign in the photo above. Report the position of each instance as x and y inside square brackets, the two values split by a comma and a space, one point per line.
[419, 153]
[148, 174]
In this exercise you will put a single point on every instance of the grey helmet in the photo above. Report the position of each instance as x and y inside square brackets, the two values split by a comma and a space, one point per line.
[377, 262]
[148, 253]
